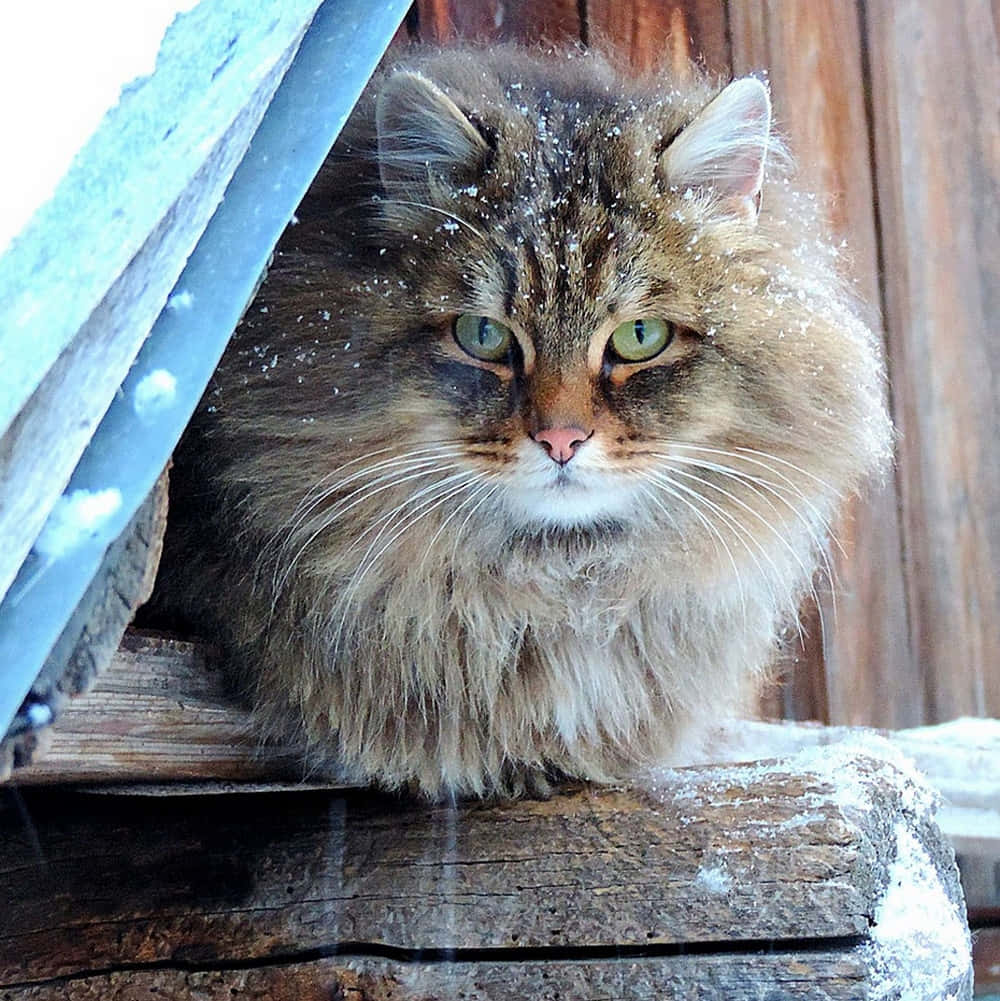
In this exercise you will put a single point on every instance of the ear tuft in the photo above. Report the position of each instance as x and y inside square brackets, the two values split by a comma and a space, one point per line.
[423, 134]
[725, 147]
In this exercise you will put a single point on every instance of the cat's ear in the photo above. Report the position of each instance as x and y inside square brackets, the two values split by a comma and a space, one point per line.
[724, 148]
[423, 134]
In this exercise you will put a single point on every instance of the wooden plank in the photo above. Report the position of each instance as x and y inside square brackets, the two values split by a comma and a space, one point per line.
[986, 959]
[820, 104]
[787, 850]
[42, 444]
[555, 22]
[160, 712]
[653, 34]
[934, 68]
[835, 975]
[93, 634]
[721, 883]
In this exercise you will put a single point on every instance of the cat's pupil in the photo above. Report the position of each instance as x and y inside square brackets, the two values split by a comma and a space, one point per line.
[640, 331]
[484, 330]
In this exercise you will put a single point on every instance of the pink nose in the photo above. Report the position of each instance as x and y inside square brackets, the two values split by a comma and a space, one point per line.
[561, 443]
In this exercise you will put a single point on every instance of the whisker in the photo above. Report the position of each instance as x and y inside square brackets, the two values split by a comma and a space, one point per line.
[740, 532]
[433, 208]
[794, 487]
[320, 491]
[328, 518]
[806, 571]
[483, 486]
[757, 485]
[713, 531]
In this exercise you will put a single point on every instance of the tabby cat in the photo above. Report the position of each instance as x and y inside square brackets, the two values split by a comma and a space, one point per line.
[527, 450]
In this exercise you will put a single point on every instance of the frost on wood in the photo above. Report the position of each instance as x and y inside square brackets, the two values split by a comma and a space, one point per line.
[77, 516]
[920, 946]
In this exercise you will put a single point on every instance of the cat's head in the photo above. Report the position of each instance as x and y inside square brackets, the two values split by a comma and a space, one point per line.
[577, 284]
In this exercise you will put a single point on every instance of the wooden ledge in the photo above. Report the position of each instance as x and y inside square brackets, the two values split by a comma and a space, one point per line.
[777, 879]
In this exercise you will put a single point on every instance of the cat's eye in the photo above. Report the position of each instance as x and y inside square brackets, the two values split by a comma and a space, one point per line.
[483, 337]
[640, 340]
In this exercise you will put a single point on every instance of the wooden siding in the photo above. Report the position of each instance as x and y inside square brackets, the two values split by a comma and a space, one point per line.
[891, 107]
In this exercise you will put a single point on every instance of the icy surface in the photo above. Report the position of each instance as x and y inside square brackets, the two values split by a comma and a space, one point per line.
[919, 945]
[67, 70]
[155, 392]
[76, 517]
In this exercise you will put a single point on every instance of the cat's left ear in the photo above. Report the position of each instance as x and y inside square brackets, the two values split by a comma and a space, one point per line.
[724, 148]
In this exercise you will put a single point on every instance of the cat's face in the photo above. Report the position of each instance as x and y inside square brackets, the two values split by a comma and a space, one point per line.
[592, 306]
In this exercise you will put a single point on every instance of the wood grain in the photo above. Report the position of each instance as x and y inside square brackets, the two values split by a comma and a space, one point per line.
[716, 860]
[653, 34]
[813, 56]
[161, 711]
[936, 105]
[834, 975]
[553, 22]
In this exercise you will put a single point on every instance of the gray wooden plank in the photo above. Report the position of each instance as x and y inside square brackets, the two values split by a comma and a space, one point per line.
[42, 443]
[831, 975]
[794, 849]
[123, 183]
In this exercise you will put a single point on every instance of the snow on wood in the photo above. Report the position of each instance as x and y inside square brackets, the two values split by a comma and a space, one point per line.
[83, 282]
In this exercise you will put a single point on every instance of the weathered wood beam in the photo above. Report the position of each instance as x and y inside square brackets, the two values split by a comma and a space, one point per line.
[779, 879]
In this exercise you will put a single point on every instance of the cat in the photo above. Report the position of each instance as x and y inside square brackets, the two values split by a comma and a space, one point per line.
[526, 452]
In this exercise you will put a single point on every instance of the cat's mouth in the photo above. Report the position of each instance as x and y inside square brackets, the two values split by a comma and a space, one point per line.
[583, 492]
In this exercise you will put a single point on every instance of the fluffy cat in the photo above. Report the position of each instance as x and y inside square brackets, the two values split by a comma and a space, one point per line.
[527, 449]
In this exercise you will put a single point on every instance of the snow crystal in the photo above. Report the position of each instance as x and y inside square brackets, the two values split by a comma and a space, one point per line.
[713, 879]
[155, 392]
[76, 517]
[919, 945]
[180, 300]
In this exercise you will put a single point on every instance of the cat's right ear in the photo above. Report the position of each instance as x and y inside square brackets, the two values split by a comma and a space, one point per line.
[423, 135]
[724, 148]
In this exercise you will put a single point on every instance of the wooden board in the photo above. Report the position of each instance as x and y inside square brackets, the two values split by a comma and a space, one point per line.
[653, 33]
[160, 712]
[552, 22]
[789, 976]
[935, 103]
[43, 442]
[791, 859]
[92, 636]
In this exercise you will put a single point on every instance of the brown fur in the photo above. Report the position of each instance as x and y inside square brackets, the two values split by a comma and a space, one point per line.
[361, 512]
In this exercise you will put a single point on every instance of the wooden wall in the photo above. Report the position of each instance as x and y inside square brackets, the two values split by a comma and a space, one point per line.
[892, 111]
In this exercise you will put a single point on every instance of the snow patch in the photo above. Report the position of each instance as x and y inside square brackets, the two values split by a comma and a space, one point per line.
[919, 948]
[77, 516]
[155, 392]
[66, 71]
[180, 300]
[39, 715]
[713, 879]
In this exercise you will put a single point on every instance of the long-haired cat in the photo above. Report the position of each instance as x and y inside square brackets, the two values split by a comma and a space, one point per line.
[527, 449]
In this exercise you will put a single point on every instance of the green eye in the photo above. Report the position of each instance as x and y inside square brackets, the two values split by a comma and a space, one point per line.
[483, 338]
[640, 340]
